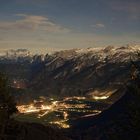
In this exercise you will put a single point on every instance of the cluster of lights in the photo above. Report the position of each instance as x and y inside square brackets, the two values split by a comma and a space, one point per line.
[61, 123]
[32, 109]
[100, 97]
[42, 109]
[74, 97]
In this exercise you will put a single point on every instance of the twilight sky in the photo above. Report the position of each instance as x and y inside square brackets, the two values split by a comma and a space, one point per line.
[62, 24]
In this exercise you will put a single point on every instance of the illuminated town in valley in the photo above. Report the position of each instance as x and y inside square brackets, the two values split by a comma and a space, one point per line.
[59, 112]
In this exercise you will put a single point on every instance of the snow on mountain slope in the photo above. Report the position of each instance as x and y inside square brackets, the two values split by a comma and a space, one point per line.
[81, 71]
[75, 71]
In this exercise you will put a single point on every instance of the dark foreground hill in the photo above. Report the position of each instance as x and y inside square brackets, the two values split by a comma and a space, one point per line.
[30, 131]
[121, 121]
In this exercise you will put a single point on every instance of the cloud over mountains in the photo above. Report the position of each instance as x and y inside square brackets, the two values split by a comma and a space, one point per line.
[31, 23]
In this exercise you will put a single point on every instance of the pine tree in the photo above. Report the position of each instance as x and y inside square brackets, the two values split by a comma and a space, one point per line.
[7, 104]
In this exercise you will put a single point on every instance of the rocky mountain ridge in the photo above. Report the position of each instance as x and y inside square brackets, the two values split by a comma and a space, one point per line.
[77, 72]
[73, 72]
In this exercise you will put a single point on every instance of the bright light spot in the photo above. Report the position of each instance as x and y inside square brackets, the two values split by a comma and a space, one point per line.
[61, 123]
[65, 114]
[100, 97]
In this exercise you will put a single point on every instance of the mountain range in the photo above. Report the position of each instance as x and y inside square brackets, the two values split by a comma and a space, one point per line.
[75, 72]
